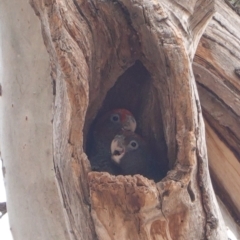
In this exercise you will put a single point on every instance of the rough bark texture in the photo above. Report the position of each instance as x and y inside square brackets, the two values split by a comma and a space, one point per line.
[94, 46]
[216, 67]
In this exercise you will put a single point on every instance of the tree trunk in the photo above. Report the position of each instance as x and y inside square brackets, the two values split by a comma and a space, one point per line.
[136, 54]
[33, 202]
[216, 68]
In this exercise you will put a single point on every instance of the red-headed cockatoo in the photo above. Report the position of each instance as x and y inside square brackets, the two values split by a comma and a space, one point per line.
[104, 130]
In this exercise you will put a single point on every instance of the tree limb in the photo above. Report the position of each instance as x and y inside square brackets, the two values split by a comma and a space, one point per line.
[3, 209]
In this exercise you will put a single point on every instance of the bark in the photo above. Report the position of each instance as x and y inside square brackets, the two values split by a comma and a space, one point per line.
[89, 50]
[144, 56]
[216, 65]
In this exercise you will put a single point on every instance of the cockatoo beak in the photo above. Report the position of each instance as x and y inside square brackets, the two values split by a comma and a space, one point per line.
[117, 148]
[130, 124]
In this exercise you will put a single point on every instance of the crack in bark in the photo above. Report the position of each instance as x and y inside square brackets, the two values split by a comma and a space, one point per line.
[54, 86]
[82, 15]
[125, 12]
[65, 202]
[217, 98]
[221, 44]
[191, 192]
[234, 7]
[211, 220]
[128, 18]
[145, 16]
[223, 26]
[221, 136]
[200, 61]
[237, 72]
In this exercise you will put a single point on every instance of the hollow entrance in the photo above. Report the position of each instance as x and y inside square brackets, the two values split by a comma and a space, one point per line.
[134, 90]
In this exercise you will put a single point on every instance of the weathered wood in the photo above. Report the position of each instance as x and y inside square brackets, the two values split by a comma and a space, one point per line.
[225, 171]
[91, 44]
[215, 64]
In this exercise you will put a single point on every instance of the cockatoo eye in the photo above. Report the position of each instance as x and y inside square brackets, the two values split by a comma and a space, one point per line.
[134, 144]
[115, 118]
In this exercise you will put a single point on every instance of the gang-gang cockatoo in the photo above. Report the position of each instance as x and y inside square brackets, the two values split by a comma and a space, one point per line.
[103, 132]
[130, 152]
